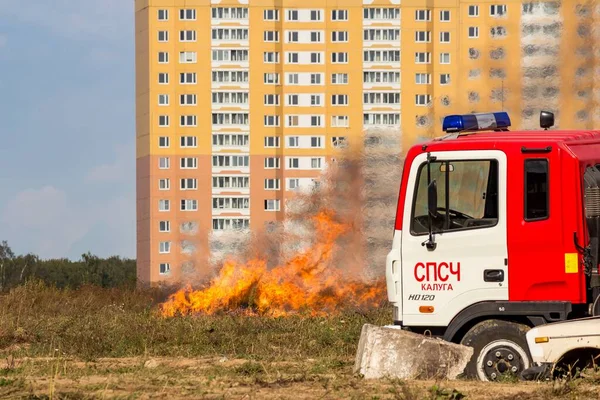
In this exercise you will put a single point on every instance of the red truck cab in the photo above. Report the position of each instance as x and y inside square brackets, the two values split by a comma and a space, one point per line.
[496, 232]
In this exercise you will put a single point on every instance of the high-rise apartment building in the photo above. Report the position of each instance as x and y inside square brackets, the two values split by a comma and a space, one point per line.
[242, 102]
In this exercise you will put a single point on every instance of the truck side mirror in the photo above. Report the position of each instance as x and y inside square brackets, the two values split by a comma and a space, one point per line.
[432, 199]
[546, 119]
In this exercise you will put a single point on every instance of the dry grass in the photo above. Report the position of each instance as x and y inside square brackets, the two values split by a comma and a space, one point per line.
[102, 343]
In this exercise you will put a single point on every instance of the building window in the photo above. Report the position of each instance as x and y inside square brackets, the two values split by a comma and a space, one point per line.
[315, 37]
[271, 205]
[339, 15]
[271, 142]
[188, 141]
[164, 205]
[164, 247]
[163, 57]
[293, 163]
[164, 184]
[316, 163]
[293, 120]
[339, 58]
[271, 120]
[188, 163]
[187, 100]
[230, 13]
[338, 121]
[163, 141]
[445, 15]
[163, 78]
[339, 36]
[163, 99]
[293, 183]
[422, 58]
[497, 10]
[164, 226]
[189, 205]
[293, 79]
[188, 57]
[187, 78]
[473, 11]
[164, 268]
[271, 78]
[271, 36]
[271, 184]
[271, 15]
[271, 99]
[293, 36]
[315, 15]
[292, 100]
[339, 78]
[444, 58]
[339, 100]
[422, 99]
[315, 120]
[537, 203]
[163, 36]
[422, 15]
[187, 15]
[188, 184]
[422, 79]
[316, 142]
[422, 36]
[187, 36]
[444, 37]
[444, 79]
[473, 32]
[188, 120]
[315, 79]
[272, 163]
[163, 121]
[164, 163]
[271, 57]
[163, 15]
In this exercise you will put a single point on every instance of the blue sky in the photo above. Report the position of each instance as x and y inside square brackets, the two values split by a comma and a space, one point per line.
[67, 112]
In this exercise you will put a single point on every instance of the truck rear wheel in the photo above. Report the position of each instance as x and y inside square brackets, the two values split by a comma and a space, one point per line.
[499, 349]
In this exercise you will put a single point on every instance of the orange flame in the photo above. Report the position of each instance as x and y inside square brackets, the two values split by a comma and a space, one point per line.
[307, 282]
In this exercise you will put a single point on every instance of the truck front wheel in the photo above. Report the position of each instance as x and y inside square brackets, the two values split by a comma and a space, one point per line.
[499, 349]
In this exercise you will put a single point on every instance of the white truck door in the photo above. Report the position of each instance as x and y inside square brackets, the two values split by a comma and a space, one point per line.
[469, 262]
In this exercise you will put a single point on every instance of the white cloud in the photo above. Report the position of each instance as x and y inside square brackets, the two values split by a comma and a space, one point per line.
[118, 171]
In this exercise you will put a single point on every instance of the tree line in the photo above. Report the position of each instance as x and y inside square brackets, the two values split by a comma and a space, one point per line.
[63, 273]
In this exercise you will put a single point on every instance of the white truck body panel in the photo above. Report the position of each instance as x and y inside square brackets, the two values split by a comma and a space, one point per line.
[471, 251]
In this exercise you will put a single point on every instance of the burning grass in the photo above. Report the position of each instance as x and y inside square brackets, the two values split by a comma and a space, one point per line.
[307, 283]
[326, 258]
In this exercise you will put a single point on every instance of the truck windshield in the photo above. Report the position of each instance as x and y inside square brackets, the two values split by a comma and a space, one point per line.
[467, 195]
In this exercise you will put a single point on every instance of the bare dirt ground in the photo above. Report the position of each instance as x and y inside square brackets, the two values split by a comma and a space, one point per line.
[221, 378]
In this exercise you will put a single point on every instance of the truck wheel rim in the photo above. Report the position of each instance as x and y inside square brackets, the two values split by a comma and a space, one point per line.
[500, 358]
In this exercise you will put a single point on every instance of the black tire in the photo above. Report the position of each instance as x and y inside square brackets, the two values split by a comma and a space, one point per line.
[498, 347]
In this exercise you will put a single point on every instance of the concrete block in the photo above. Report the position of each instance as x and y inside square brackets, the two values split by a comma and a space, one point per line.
[391, 352]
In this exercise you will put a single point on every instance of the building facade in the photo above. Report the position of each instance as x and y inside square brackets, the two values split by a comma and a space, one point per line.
[242, 102]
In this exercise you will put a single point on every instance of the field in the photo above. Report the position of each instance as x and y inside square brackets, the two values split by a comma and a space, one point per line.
[111, 343]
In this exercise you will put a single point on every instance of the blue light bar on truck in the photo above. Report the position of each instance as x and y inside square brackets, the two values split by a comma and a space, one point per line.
[476, 122]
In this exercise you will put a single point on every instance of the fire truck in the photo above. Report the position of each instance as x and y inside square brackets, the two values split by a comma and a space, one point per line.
[496, 232]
